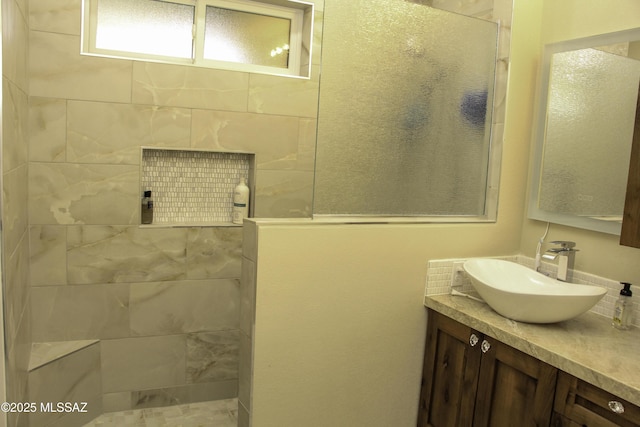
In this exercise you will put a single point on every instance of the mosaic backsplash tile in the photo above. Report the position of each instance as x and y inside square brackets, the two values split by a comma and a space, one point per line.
[192, 186]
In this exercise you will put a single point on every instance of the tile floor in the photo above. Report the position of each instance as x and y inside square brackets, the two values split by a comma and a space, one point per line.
[218, 413]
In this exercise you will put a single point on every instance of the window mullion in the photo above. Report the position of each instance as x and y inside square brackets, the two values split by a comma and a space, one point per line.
[201, 9]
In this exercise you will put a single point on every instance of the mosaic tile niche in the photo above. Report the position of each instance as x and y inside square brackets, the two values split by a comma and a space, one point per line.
[191, 187]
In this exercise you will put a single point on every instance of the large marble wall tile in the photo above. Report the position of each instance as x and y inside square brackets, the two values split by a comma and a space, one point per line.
[245, 371]
[48, 255]
[500, 92]
[73, 378]
[14, 207]
[117, 254]
[17, 351]
[318, 25]
[274, 139]
[247, 296]
[167, 396]
[197, 392]
[307, 145]
[305, 59]
[212, 356]
[16, 313]
[55, 16]
[143, 363]
[316, 48]
[18, 348]
[281, 194]
[116, 402]
[187, 306]
[191, 87]
[284, 96]
[16, 289]
[83, 194]
[15, 122]
[47, 129]
[243, 416]
[57, 70]
[15, 39]
[250, 240]
[43, 353]
[214, 253]
[113, 133]
[23, 5]
[319, 5]
[80, 312]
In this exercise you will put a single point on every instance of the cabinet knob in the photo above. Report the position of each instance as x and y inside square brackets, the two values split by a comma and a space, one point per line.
[616, 407]
[485, 346]
[473, 340]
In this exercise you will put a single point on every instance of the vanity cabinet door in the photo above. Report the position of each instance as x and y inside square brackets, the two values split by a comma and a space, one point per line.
[450, 373]
[581, 404]
[514, 388]
[471, 380]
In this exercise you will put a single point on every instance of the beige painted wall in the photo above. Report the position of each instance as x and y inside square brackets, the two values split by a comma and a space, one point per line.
[599, 254]
[340, 325]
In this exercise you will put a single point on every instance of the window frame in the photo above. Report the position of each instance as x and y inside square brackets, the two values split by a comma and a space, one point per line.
[275, 9]
[90, 23]
[295, 35]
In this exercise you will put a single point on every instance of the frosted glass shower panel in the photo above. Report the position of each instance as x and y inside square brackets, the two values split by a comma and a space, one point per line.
[404, 118]
[150, 27]
[590, 119]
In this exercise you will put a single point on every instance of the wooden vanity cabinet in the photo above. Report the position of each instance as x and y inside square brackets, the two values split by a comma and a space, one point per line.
[473, 380]
[580, 404]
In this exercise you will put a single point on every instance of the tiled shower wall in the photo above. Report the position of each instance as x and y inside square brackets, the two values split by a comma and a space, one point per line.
[163, 301]
[15, 247]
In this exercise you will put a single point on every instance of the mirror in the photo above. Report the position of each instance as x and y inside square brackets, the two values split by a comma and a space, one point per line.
[586, 110]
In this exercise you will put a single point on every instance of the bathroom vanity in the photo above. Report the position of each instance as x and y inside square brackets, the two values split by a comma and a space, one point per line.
[482, 369]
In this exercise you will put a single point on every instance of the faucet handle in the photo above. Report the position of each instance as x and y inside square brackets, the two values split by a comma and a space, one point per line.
[565, 245]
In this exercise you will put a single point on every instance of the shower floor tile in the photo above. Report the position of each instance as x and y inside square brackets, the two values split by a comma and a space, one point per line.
[218, 413]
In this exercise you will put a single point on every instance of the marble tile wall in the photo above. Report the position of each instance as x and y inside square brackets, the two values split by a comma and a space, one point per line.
[14, 203]
[164, 302]
[73, 378]
[247, 322]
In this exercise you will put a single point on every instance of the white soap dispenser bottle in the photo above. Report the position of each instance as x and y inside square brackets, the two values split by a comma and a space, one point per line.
[240, 202]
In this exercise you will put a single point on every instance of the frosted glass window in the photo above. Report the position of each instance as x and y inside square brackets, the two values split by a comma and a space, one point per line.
[250, 38]
[269, 36]
[145, 26]
[405, 111]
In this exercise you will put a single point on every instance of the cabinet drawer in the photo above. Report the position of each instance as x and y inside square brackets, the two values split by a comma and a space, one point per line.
[589, 406]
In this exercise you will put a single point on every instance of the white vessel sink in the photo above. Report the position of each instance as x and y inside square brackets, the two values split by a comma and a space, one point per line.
[522, 294]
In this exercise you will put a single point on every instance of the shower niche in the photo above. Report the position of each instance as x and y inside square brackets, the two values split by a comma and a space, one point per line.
[194, 187]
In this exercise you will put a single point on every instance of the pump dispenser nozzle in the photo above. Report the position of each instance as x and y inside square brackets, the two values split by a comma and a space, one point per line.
[626, 290]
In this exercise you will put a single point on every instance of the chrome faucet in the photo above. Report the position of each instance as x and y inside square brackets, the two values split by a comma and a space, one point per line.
[565, 254]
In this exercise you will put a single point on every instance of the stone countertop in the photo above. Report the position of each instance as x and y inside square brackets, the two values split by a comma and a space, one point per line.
[587, 347]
